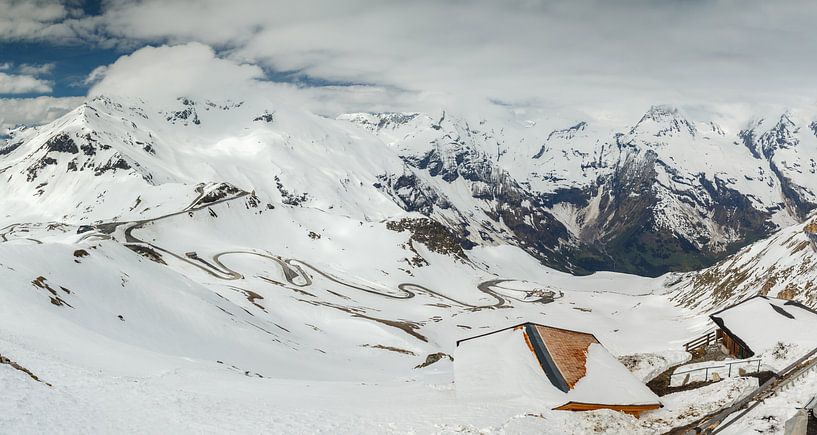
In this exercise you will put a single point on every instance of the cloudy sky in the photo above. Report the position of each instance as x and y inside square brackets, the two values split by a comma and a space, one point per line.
[605, 58]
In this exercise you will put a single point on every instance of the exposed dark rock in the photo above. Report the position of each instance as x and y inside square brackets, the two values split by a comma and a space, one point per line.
[62, 143]
[412, 194]
[34, 169]
[568, 133]
[188, 114]
[115, 162]
[220, 192]
[265, 117]
[390, 348]
[436, 237]
[670, 120]
[289, 198]
[88, 149]
[8, 149]
[627, 238]
[42, 283]
[147, 252]
[434, 357]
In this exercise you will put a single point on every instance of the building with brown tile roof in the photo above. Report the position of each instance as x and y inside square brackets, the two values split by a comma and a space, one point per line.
[582, 374]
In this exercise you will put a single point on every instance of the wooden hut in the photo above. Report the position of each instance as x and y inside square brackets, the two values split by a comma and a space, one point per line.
[758, 323]
[565, 369]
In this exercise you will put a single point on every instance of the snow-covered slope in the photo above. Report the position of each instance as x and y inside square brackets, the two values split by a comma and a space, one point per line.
[97, 161]
[784, 265]
[234, 315]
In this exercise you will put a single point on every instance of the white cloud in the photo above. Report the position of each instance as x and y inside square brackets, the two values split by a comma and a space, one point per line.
[157, 73]
[161, 74]
[32, 19]
[602, 56]
[618, 56]
[33, 111]
[23, 84]
[36, 70]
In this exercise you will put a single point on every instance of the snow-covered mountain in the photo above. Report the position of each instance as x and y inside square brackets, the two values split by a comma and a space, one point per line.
[109, 160]
[664, 194]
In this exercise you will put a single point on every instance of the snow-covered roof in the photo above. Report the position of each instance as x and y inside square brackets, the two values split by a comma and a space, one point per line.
[761, 322]
[550, 366]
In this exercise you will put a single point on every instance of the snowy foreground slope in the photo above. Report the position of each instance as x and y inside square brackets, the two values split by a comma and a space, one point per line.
[239, 268]
[283, 343]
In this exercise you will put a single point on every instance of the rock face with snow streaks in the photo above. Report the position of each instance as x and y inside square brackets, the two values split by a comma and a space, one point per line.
[664, 194]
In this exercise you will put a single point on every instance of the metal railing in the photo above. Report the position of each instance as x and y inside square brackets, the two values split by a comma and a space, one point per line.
[728, 365]
[713, 423]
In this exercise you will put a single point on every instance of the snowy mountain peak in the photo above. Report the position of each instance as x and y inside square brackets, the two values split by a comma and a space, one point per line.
[785, 128]
[382, 120]
[663, 120]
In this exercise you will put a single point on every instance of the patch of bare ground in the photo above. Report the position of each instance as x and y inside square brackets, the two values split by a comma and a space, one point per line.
[698, 415]
[404, 325]
[434, 357]
[147, 252]
[251, 296]
[409, 328]
[436, 237]
[661, 384]
[40, 282]
[389, 348]
[14, 365]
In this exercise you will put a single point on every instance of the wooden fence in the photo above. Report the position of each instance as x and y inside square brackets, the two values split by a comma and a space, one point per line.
[703, 341]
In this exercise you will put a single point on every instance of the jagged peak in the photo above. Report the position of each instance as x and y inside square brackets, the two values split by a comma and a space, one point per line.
[786, 121]
[664, 120]
[662, 111]
[784, 127]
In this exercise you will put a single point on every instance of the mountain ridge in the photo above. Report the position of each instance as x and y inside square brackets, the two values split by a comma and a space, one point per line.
[655, 197]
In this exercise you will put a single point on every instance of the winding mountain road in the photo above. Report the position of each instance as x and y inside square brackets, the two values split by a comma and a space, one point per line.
[294, 269]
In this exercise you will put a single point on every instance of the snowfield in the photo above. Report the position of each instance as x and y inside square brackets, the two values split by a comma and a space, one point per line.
[192, 352]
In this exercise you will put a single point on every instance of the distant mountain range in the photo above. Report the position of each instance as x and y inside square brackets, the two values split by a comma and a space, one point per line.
[664, 194]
